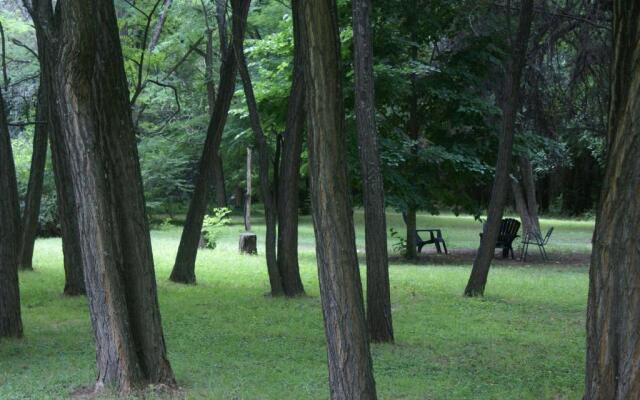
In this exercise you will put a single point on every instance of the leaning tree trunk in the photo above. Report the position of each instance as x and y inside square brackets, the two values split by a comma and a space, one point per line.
[114, 235]
[349, 360]
[184, 267]
[10, 320]
[42, 15]
[289, 175]
[240, 9]
[613, 316]
[36, 180]
[510, 106]
[378, 291]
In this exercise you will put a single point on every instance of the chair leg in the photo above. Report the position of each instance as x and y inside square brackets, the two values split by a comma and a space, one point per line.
[526, 250]
[445, 247]
[505, 252]
[438, 247]
[420, 246]
[544, 253]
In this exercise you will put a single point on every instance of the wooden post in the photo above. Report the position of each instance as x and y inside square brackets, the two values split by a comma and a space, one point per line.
[247, 197]
[248, 243]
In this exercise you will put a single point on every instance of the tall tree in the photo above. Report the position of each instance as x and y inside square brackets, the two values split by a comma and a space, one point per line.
[613, 315]
[10, 319]
[42, 13]
[240, 10]
[510, 107]
[289, 173]
[114, 237]
[349, 360]
[378, 291]
[184, 267]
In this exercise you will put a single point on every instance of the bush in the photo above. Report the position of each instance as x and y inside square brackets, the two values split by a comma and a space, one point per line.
[211, 226]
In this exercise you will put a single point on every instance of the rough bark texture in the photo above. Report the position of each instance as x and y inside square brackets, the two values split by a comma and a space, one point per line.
[510, 106]
[248, 192]
[99, 142]
[184, 267]
[530, 221]
[289, 174]
[36, 180]
[349, 360]
[240, 8]
[378, 291]
[10, 320]
[613, 316]
[46, 35]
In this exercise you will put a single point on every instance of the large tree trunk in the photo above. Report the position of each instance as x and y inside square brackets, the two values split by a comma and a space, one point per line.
[529, 187]
[36, 180]
[240, 9]
[378, 291]
[10, 320]
[349, 360]
[510, 106]
[42, 14]
[184, 267]
[107, 186]
[613, 316]
[289, 175]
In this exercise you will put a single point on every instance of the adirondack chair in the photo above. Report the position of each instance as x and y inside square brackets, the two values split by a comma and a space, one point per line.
[435, 237]
[508, 233]
[536, 239]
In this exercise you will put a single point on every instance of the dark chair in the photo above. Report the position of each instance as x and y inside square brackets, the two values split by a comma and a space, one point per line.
[435, 237]
[536, 239]
[508, 233]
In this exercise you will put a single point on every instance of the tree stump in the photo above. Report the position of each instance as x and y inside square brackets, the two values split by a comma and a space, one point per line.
[248, 243]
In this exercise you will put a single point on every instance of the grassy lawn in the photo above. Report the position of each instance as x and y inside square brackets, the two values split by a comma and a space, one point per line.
[227, 340]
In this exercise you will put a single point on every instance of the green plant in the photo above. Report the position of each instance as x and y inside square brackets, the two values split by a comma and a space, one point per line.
[400, 243]
[212, 224]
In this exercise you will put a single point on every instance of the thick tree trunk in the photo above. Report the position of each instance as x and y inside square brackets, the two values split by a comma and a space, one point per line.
[510, 106]
[613, 316]
[248, 192]
[349, 360]
[36, 180]
[289, 175]
[521, 206]
[240, 8]
[42, 14]
[529, 187]
[378, 291]
[107, 186]
[184, 267]
[10, 319]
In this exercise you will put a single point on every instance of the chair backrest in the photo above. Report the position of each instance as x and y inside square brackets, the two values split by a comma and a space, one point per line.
[509, 229]
[548, 236]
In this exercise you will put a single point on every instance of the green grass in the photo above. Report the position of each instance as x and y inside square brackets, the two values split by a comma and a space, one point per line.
[227, 340]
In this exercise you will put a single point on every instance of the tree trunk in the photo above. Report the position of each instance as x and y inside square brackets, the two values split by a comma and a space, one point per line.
[114, 236]
[184, 267]
[613, 315]
[521, 206]
[529, 186]
[157, 30]
[378, 291]
[42, 15]
[349, 360]
[248, 194]
[36, 180]
[411, 250]
[240, 8]
[10, 320]
[510, 106]
[289, 175]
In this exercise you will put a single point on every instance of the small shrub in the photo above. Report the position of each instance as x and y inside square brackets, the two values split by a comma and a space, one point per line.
[211, 226]
[399, 244]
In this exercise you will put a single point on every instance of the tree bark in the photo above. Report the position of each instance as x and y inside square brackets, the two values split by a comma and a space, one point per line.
[43, 18]
[10, 319]
[184, 267]
[289, 175]
[378, 291]
[100, 144]
[36, 180]
[349, 360]
[248, 193]
[613, 315]
[510, 106]
[241, 7]
[529, 186]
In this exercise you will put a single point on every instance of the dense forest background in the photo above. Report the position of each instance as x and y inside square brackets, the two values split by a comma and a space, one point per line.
[438, 71]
